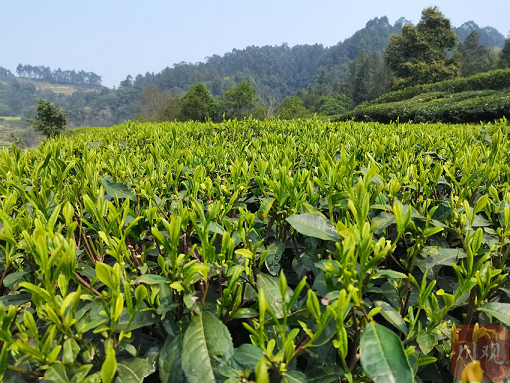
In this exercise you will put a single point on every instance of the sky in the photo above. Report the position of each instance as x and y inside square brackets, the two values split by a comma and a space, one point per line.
[114, 38]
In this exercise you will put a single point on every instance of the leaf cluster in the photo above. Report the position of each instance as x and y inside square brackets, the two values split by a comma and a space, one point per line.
[251, 251]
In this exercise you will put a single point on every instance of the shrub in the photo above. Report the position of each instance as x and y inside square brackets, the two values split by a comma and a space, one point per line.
[495, 80]
[461, 108]
[49, 120]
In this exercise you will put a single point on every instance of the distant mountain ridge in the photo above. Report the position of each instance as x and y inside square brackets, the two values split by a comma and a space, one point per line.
[280, 71]
[489, 36]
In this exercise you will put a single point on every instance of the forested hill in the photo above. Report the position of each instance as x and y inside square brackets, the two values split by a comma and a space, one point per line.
[280, 71]
[489, 36]
[276, 71]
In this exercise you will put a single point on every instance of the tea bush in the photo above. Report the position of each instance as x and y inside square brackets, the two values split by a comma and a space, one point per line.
[484, 97]
[493, 80]
[473, 106]
[251, 251]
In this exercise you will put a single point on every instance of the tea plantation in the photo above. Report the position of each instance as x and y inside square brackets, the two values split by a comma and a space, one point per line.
[300, 251]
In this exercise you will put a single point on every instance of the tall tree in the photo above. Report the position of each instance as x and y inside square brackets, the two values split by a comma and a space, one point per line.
[5, 73]
[197, 104]
[152, 102]
[128, 82]
[292, 108]
[505, 54]
[474, 55]
[170, 111]
[361, 85]
[420, 54]
[49, 120]
[238, 100]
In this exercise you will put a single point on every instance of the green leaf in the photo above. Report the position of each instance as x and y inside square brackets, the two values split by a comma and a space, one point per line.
[151, 279]
[480, 221]
[169, 362]
[141, 319]
[265, 207]
[389, 274]
[122, 190]
[244, 314]
[480, 204]
[383, 220]
[248, 355]
[105, 273]
[327, 374]
[109, 367]
[213, 227]
[276, 250]
[426, 341]
[500, 311]
[272, 292]
[477, 240]
[71, 351]
[12, 280]
[37, 291]
[392, 316]
[79, 377]
[261, 372]
[294, 377]
[315, 226]
[442, 213]
[382, 355]
[134, 370]
[205, 338]
[436, 256]
[310, 209]
[56, 373]
[4, 356]
[425, 361]
[15, 300]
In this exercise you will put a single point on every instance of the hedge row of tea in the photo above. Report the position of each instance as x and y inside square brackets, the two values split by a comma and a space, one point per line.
[301, 251]
[483, 97]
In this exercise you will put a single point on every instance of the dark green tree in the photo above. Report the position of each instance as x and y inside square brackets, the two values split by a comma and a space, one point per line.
[361, 86]
[292, 108]
[170, 111]
[197, 104]
[474, 55]
[49, 120]
[420, 54]
[331, 105]
[380, 75]
[505, 54]
[238, 101]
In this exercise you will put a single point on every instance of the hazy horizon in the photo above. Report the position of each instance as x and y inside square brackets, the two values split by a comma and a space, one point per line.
[119, 38]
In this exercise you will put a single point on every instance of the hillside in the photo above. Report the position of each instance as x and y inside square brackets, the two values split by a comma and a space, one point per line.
[484, 97]
[67, 89]
[276, 71]
[280, 71]
[489, 36]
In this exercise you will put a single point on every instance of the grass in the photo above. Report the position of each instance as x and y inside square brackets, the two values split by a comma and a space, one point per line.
[11, 118]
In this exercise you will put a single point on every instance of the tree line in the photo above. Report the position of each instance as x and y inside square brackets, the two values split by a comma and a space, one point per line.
[58, 76]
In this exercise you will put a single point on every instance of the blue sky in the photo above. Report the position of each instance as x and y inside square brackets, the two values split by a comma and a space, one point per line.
[114, 38]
